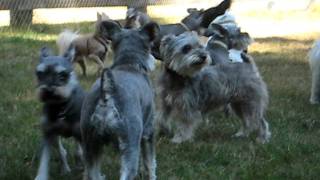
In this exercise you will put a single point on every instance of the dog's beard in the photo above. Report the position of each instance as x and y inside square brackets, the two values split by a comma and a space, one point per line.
[189, 65]
[58, 94]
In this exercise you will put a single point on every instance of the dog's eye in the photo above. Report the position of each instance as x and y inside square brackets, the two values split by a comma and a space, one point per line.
[39, 74]
[186, 48]
[63, 76]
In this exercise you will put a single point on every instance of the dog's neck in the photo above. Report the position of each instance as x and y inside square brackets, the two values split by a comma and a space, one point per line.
[103, 41]
[173, 80]
[133, 61]
[64, 108]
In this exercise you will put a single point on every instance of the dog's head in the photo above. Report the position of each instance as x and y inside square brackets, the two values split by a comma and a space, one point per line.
[135, 19]
[130, 42]
[55, 76]
[240, 40]
[193, 20]
[184, 54]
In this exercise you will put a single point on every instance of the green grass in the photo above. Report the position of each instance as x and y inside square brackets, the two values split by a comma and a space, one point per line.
[293, 152]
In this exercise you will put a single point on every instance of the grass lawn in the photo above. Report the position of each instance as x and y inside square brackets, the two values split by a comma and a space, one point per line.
[293, 153]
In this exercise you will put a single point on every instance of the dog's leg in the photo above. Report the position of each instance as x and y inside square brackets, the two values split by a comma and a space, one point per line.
[130, 154]
[238, 109]
[79, 156]
[63, 157]
[315, 87]
[82, 64]
[264, 133]
[43, 171]
[186, 126]
[98, 61]
[149, 157]
[92, 156]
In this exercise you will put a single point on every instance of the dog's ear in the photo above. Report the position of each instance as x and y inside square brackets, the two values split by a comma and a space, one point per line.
[70, 53]
[104, 16]
[192, 10]
[45, 52]
[219, 30]
[109, 29]
[99, 17]
[167, 39]
[150, 30]
[165, 43]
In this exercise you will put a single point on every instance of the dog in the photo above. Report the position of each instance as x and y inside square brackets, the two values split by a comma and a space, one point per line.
[197, 20]
[225, 43]
[135, 19]
[190, 87]
[62, 97]
[239, 41]
[314, 62]
[88, 46]
[120, 105]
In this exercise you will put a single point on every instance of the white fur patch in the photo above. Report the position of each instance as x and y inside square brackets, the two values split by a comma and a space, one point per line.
[41, 68]
[151, 62]
[235, 55]
[59, 68]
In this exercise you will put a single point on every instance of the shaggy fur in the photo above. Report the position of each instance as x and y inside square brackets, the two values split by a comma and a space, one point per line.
[120, 106]
[62, 96]
[88, 46]
[314, 61]
[190, 88]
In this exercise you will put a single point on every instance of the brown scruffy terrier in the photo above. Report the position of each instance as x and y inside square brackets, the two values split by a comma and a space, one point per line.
[89, 46]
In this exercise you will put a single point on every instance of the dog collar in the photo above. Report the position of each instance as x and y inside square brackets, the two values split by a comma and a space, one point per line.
[184, 26]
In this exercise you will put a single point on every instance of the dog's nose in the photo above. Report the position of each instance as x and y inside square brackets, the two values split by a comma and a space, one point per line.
[203, 57]
[49, 89]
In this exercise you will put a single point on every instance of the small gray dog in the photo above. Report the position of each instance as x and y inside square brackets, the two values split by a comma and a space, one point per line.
[190, 88]
[62, 97]
[120, 106]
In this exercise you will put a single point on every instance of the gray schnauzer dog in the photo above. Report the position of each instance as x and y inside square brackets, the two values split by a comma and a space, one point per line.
[120, 105]
[189, 88]
[136, 19]
[62, 97]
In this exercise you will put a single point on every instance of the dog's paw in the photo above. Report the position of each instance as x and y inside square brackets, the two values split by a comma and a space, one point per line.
[177, 139]
[240, 134]
[262, 140]
[41, 177]
[314, 102]
[65, 170]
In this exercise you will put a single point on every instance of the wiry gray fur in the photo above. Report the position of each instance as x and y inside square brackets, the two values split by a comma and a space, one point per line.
[120, 107]
[186, 97]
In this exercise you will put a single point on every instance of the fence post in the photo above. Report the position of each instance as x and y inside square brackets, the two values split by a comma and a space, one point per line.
[21, 18]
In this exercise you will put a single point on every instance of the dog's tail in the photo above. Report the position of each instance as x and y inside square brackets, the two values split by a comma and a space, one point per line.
[249, 60]
[107, 84]
[65, 39]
